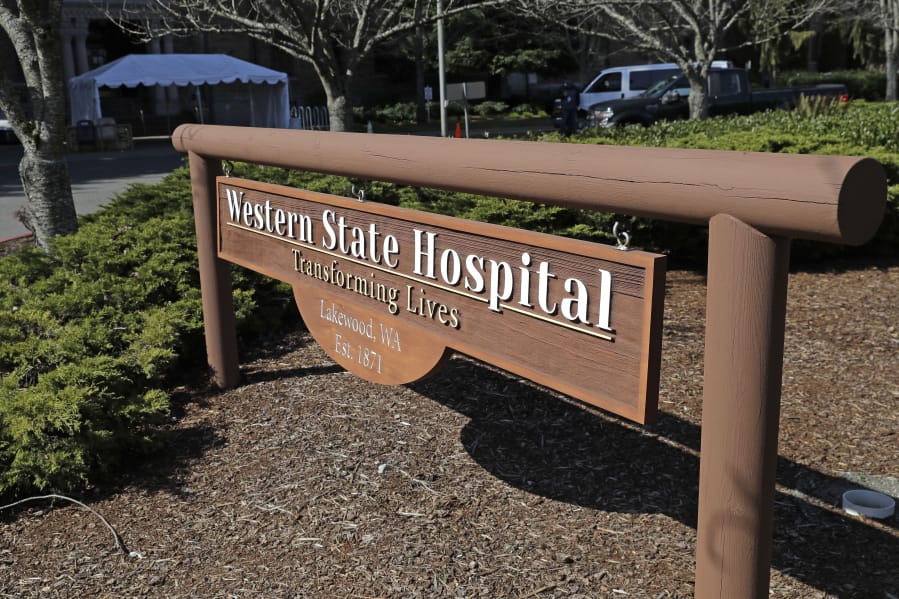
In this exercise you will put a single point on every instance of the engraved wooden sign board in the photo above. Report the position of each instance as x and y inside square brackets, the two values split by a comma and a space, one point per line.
[389, 293]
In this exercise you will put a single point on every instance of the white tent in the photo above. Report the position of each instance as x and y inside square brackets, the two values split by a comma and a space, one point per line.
[269, 101]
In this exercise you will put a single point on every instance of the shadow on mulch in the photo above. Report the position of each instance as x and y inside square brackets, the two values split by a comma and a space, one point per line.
[880, 261]
[550, 447]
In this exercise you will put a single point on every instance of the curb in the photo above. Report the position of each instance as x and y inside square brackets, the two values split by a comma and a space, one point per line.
[15, 237]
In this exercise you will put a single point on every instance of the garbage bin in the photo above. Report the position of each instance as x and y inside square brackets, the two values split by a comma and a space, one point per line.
[85, 134]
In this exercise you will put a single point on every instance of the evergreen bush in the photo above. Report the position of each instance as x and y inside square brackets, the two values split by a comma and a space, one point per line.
[862, 85]
[527, 111]
[94, 333]
[401, 113]
[855, 129]
[490, 108]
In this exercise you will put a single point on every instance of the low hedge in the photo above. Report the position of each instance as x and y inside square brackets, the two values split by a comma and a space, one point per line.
[95, 333]
[862, 85]
[854, 129]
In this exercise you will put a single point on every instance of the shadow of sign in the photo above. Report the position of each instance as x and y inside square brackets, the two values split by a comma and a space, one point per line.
[530, 439]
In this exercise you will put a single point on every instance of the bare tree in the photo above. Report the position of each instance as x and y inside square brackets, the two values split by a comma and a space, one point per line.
[588, 51]
[38, 116]
[334, 36]
[690, 33]
[890, 19]
[885, 17]
[881, 16]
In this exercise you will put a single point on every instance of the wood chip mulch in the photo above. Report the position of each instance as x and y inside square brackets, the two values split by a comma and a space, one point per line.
[308, 482]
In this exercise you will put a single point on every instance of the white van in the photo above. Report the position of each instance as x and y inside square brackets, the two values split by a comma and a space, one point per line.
[6, 133]
[624, 82]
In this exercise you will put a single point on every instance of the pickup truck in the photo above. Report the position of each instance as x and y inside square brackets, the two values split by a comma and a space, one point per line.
[729, 92]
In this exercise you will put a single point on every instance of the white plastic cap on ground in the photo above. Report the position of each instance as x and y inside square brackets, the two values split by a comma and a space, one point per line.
[861, 502]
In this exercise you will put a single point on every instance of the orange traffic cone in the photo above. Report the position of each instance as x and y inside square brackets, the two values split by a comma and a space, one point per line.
[458, 129]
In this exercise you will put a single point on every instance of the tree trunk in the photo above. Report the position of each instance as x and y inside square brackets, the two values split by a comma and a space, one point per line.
[49, 209]
[891, 66]
[421, 113]
[698, 101]
[336, 77]
[593, 57]
[891, 46]
[813, 49]
[340, 109]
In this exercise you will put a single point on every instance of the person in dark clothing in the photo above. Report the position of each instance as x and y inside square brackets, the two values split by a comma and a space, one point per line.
[570, 101]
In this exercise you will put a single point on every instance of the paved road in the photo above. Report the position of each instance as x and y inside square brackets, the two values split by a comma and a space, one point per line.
[96, 177]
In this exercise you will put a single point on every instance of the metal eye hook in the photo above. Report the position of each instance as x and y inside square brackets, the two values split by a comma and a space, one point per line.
[360, 194]
[227, 167]
[622, 237]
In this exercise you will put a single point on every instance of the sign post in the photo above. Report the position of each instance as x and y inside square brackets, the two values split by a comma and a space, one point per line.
[441, 68]
[470, 90]
[752, 203]
[215, 279]
[429, 97]
[745, 319]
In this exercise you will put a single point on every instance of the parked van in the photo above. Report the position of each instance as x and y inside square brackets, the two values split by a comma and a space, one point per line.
[6, 133]
[617, 83]
[624, 82]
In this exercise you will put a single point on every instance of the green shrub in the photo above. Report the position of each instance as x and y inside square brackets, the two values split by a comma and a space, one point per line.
[862, 85]
[398, 114]
[95, 332]
[857, 129]
[404, 113]
[401, 113]
[527, 111]
[455, 108]
[859, 124]
[814, 106]
[490, 108]
[854, 129]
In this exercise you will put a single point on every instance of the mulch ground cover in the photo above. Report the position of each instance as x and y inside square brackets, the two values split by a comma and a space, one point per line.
[308, 482]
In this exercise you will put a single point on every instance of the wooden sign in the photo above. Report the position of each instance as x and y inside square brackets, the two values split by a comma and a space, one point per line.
[389, 293]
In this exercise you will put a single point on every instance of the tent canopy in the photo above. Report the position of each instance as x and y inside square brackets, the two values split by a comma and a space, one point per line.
[270, 104]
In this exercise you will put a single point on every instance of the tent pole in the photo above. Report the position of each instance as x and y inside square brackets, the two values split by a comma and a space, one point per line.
[199, 103]
[252, 107]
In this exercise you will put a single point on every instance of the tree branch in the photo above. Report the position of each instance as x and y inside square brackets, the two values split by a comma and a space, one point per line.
[119, 542]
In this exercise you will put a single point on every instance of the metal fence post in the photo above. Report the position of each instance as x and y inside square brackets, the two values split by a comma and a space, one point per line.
[746, 312]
